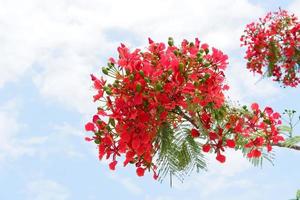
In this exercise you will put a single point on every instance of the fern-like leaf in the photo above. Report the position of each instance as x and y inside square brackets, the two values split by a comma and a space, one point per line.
[292, 141]
[179, 154]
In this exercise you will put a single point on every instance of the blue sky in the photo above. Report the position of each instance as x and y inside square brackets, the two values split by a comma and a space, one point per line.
[49, 48]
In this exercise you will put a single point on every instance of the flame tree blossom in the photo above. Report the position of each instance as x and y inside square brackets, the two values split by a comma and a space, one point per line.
[273, 47]
[163, 108]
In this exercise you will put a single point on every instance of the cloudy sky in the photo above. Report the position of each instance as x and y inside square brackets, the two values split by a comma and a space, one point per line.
[49, 48]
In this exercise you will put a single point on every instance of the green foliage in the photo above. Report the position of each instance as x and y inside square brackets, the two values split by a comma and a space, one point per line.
[292, 141]
[179, 154]
[285, 129]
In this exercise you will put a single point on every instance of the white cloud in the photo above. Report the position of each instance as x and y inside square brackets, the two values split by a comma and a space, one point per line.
[66, 41]
[244, 86]
[13, 143]
[294, 7]
[160, 197]
[64, 140]
[46, 190]
[221, 178]
[127, 182]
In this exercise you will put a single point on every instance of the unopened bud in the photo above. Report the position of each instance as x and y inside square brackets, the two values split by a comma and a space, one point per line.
[141, 72]
[181, 67]
[105, 70]
[196, 83]
[110, 65]
[158, 87]
[176, 52]
[170, 41]
[138, 87]
[131, 77]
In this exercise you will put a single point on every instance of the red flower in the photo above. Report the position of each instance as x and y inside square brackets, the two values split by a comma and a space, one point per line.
[213, 136]
[195, 133]
[206, 148]
[254, 107]
[254, 153]
[272, 47]
[113, 164]
[276, 115]
[221, 158]
[90, 127]
[140, 171]
[230, 143]
[268, 110]
[169, 85]
[88, 139]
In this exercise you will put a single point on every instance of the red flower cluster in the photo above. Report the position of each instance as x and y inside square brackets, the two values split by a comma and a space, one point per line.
[169, 84]
[148, 89]
[274, 43]
[252, 130]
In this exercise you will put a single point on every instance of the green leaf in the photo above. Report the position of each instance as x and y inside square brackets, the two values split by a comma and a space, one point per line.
[292, 141]
[285, 128]
[179, 154]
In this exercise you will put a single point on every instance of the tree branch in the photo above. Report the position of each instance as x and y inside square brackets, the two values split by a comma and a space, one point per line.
[178, 111]
[295, 147]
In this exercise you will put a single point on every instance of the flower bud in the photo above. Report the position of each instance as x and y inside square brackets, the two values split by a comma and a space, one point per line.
[196, 83]
[115, 85]
[176, 52]
[181, 67]
[200, 60]
[131, 76]
[112, 122]
[199, 54]
[138, 87]
[170, 41]
[158, 87]
[206, 64]
[141, 72]
[110, 65]
[107, 90]
[147, 79]
[206, 76]
[105, 70]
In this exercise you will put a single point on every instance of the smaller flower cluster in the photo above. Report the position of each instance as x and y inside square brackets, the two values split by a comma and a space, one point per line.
[274, 43]
[253, 130]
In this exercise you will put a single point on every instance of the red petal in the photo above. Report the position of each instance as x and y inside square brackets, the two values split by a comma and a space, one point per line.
[88, 139]
[254, 107]
[206, 148]
[90, 127]
[195, 133]
[140, 171]
[230, 143]
[113, 164]
[221, 158]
